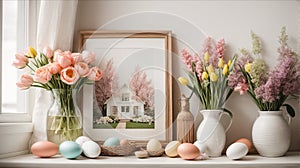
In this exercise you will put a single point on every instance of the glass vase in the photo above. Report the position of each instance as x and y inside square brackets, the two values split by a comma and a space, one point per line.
[64, 119]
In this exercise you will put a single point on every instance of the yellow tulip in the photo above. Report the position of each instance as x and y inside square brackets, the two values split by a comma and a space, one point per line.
[183, 80]
[206, 57]
[213, 77]
[248, 67]
[204, 75]
[210, 69]
[31, 52]
[225, 69]
[229, 63]
[221, 63]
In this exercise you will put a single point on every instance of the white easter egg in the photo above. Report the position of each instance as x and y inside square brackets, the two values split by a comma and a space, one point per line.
[91, 149]
[171, 148]
[80, 140]
[237, 150]
[153, 145]
[201, 147]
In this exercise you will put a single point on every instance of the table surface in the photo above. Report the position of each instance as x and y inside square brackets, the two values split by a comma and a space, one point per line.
[291, 160]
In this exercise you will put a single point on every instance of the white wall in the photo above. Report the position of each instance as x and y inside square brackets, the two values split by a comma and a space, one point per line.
[191, 22]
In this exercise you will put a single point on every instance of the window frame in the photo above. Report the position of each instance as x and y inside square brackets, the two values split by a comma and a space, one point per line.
[26, 34]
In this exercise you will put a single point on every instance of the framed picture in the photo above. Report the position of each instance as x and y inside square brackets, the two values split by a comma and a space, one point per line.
[133, 100]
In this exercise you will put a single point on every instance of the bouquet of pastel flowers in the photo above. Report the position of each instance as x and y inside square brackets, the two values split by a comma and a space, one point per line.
[56, 70]
[63, 73]
[268, 88]
[208, 74]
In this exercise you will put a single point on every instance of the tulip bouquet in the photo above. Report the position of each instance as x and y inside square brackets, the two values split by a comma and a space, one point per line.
[63, 73]
[208, 74]
[268, 88]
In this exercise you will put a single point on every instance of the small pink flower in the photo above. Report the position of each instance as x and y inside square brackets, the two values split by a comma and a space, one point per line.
[25, 82]
[69, 75]
[20, 61]
[88, 57]
[76, 57]
[64, 59]
[95, 74]
[241, 87]
[82, 68]
[54, 68]
[43, 75]
[56, 53]
[48, 52]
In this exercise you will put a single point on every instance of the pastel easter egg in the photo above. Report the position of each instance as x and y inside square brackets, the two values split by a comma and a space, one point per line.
[70, 149]
[237, 150]
[44, 149]
[246, 141]
[154, 145]
[113, 141]
[80, 140]
[124, 142]
[171, 149]
[91, 149]
[188, 151]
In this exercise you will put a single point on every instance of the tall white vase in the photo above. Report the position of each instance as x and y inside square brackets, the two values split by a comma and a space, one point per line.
[211, 134]
[271, 134]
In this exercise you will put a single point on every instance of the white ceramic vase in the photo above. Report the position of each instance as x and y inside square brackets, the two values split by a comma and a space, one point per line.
[211, 136]
[271, 134]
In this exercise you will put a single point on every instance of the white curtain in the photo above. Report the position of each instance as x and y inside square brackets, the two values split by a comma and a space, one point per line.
[55, 28]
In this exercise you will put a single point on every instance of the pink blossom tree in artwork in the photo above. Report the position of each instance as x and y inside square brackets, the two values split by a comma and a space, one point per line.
[142, 87]
[105, 86]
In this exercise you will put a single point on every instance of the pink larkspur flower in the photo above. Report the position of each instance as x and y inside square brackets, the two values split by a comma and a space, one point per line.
[220, 48]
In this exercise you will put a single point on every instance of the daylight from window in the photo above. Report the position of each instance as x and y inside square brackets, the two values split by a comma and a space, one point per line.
[9, 48]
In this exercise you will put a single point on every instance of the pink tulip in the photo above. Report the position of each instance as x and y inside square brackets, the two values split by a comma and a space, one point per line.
[43, 75]
[54, 68]
[48, 52]
[25, 82]
[82, 69]
[95, 74]
[88, 57]
[56, 53]
[69, 75]
[20, 61]
[64, 59]
[76, 57]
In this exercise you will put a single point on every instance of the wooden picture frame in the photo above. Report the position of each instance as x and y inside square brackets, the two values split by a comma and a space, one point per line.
[135, 59]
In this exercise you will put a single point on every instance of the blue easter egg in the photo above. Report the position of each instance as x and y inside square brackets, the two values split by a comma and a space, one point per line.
[70, 149]
[113, 141]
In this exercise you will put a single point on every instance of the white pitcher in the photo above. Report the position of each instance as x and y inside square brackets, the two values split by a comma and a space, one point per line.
[271, 133]
[211, 136]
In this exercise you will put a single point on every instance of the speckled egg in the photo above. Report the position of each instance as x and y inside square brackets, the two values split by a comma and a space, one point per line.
[80, 140]
[91, 149]
[113, 141]
[171, 149]
[44, 149]
[70, 149]
[154, 145]
[188, 151]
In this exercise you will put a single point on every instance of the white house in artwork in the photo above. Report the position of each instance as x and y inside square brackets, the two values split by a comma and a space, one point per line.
[124, 104]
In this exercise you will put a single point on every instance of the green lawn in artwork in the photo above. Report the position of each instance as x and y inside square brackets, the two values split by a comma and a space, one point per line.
[135, 125]
[105, 126]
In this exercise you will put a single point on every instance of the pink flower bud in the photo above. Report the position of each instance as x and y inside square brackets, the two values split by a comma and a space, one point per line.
[82, 68]
[95, 74]
[54, 68]
[48, 52]
[25, 82]
[20, 61]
